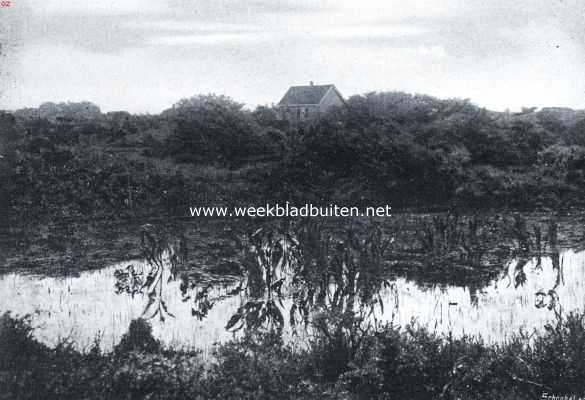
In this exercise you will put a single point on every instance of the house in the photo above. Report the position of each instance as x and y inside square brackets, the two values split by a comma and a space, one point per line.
[307, 103]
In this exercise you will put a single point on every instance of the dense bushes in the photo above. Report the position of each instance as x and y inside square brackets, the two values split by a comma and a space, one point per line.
[385, 363]
[75, 183]
[380, 148]
[417, 150]
[345, 166]
[558, 356]
[30, 370]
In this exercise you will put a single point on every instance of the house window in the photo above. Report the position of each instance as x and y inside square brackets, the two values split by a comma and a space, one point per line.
[298, 113]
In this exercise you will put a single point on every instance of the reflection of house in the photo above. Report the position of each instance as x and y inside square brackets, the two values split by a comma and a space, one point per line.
[305, 103]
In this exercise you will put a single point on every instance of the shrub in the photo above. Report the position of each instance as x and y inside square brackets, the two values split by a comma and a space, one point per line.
[161, 376]
[558, 355]
[139, 338]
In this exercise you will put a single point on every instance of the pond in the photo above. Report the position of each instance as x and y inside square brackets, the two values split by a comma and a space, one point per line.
[284, 278]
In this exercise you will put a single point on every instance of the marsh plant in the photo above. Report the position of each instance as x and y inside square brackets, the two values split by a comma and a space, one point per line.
[163, 257]
[455, 239]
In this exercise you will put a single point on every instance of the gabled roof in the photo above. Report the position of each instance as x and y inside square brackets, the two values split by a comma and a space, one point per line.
[312, 94]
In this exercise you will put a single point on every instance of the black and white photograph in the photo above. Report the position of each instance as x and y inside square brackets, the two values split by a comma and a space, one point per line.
[292, 199]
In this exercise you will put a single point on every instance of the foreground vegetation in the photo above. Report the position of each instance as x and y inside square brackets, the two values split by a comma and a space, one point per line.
[346, 359]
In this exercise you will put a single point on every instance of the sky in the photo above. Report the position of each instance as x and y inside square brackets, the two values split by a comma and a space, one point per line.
[145, 55]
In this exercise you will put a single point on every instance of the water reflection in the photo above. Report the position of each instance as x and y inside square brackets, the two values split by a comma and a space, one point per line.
[82, 307]
[292, 272]
[285, 275]
[162, 257]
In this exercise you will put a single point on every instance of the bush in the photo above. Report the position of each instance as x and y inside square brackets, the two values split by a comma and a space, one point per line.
[558, 355]
[139, 338]
[158, 376]
[388, 363]
[260, 367]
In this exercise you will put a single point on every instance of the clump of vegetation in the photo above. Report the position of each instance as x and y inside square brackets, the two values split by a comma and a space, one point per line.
[391, 148]
[345, 359]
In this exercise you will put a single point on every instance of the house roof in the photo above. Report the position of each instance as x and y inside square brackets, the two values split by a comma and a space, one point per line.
[312, 94]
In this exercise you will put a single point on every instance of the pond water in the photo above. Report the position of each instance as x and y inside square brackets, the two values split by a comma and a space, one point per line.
[85, 307]
[525, 294]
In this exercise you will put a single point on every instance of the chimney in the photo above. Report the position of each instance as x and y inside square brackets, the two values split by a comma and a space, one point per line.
[311, 83]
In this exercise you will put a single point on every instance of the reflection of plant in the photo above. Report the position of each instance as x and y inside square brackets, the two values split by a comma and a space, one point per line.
[519, 273]
[276, 254]
[314, 269]
[155, 247]
[254, 314]
[201, 294]
[550, 298]
[129, 280]
[542, 296]
[338, 275]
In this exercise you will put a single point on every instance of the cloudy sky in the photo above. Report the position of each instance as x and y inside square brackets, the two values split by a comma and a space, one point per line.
[144, 55]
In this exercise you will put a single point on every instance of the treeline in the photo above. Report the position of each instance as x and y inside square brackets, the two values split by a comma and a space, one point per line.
[407, 150]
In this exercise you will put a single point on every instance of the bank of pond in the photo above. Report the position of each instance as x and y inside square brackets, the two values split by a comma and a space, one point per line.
[439, 305]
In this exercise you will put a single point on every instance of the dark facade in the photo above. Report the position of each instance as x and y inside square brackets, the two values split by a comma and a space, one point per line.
[307, 103]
